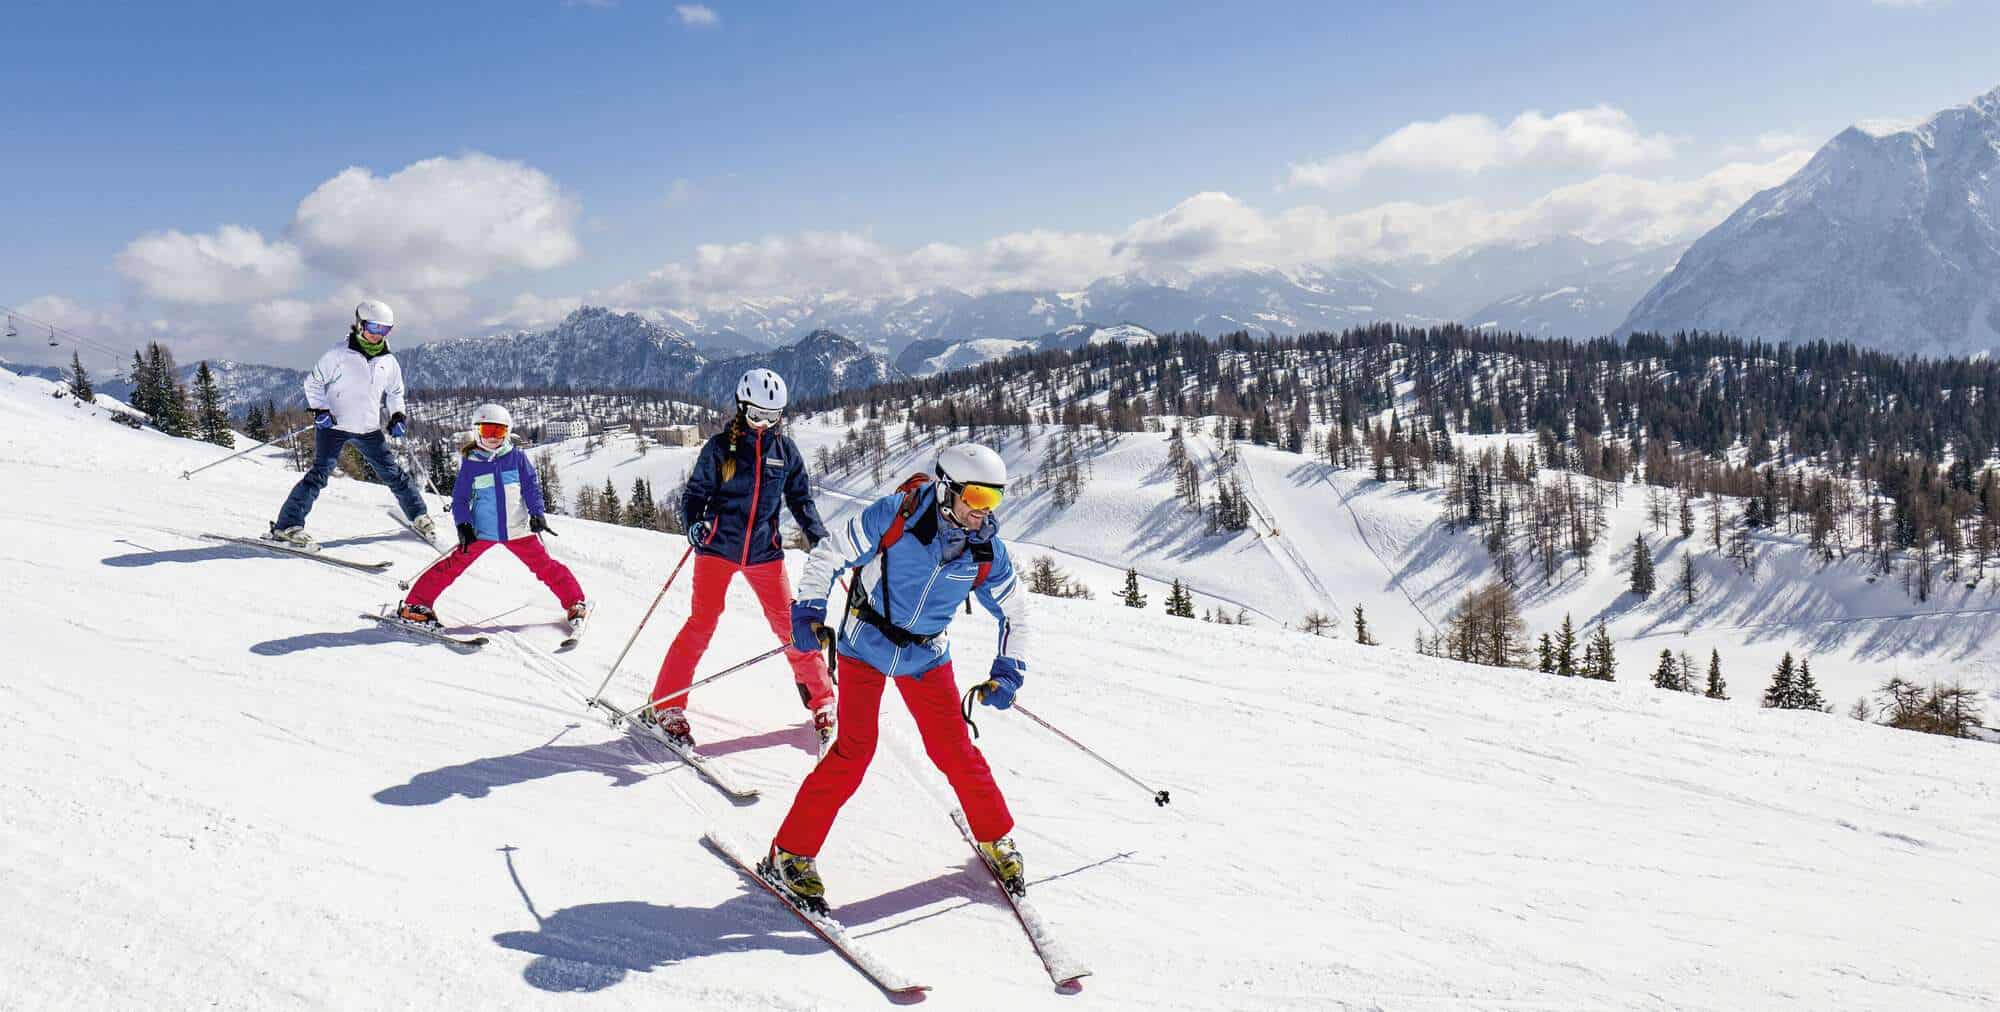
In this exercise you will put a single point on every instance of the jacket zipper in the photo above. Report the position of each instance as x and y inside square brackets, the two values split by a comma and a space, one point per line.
[756, 485]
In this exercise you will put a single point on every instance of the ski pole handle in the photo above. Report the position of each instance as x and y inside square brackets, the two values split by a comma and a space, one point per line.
[1159, 797]
[185, 475]
[657, 598]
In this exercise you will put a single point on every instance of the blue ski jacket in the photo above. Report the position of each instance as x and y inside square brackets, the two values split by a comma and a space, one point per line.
[917, 585]
[738, 484]
[496, 493]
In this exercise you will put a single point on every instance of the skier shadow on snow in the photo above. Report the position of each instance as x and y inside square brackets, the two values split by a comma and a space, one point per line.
[801, 738]
[596, 945]
[476, 779]
[368, 636]
[155, 556]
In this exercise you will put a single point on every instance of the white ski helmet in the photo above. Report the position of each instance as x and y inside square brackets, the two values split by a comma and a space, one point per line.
[761, 388]
[374, 311]
[492, 414]
[971, 464]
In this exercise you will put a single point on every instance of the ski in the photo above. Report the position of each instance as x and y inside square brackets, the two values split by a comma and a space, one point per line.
[463, 646]
[1063, 967]
[303, 553]
[404, 522]
[708, 768]
[576, 629]
[822, 924]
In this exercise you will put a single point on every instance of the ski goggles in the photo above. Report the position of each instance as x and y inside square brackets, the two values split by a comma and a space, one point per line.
[979, 497]
[377, 329]
[492, 430]
[762, 418]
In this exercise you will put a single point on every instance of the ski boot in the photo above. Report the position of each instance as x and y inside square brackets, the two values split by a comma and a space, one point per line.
[294, 537]
[796, 877]
[426, 526]
[823, 726]
[418, 615]
[577, 613]
[1006, 863]
[670, 723]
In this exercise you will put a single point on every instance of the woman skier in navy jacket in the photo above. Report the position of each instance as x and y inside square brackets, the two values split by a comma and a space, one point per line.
[730, 507]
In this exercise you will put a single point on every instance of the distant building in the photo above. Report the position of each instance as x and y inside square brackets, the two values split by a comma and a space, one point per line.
[616, 430]
[676, 435]
[567, 428]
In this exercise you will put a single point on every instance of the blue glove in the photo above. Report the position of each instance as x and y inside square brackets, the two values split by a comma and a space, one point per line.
[398, 424]
[322, 418]
[1002, 682]
[698, 533]
[808, 618]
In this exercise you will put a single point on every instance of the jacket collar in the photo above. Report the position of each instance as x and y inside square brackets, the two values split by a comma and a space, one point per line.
[354, 343]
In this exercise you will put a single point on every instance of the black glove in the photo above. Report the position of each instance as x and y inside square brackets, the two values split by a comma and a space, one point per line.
[398, 424]
[466, 536]
[539, 525]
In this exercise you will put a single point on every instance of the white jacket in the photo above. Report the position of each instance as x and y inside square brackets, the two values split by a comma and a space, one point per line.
[353, 387]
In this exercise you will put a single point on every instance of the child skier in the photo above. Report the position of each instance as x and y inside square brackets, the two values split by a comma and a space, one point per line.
[496, 500]
[916, 555]
[730, 508]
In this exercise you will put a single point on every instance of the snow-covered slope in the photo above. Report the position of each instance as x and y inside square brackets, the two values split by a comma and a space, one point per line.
[222, 788]
[1888, 238]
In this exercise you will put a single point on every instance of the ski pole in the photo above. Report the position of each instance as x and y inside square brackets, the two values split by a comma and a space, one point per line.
[657, 598]
[185, 475]
[618, 715]
[1159, 797]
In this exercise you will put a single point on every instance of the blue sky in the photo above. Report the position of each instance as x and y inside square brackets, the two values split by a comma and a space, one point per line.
[654, 155]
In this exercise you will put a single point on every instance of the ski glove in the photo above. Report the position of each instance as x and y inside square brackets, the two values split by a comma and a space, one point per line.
[808, 620]
[538, 525]
[466, 536]
[1002, 682]
[322, 418]
[698, 532]
[399, 424]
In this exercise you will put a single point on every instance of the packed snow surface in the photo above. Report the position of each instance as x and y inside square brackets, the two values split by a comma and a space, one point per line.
[223, 788]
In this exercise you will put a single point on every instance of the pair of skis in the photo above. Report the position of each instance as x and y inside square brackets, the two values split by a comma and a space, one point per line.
[709, 769]
[467, 644]
[1064, 969]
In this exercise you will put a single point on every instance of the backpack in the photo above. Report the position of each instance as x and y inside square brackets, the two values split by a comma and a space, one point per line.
[912, 490]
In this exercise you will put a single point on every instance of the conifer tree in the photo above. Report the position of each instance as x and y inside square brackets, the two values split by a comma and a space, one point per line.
[1180, 603]
[1667, 675]
[211, 422]
[1361, 633]
[1783, 688]
[1805, 694]
[142, 386]
[1642, 567]
[1130, 595]
[1686, 581]
[79, 380]
[609, 509]
[1606, 669]
[1566, 658]
[1717, 688]
[1546, 656]
[253, 424]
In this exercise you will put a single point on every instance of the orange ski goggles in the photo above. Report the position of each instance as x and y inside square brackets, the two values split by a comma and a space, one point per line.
[979, 497]
[492, 430]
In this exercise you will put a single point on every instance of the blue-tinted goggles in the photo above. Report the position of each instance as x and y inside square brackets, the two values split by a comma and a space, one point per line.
[377, 329]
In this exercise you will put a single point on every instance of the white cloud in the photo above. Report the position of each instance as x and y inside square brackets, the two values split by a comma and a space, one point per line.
[282, 321]
[530, 312]
[1766, 144]
[437, 224]
[1599, 137]
[232, 264]
[697, 15]
[1196, 231]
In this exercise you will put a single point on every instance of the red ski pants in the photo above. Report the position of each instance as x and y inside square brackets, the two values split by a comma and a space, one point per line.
[711, 585]
[440, 574]
[933, 700]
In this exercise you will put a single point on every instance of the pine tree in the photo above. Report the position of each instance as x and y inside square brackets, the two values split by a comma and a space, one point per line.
[1546, 656]
[253, 424]
[1180, 603]
[142, 386]
[1642, 567]
[1717, 688]
[1361, 633]
[1606, 669]
[1667, 675]
[1783, 689]
[1687, 517]
[211, 422]
[1130, 595]
[1686, 581]
[79, 380]
[609, 509]
[1805, 695]
[1566, 665]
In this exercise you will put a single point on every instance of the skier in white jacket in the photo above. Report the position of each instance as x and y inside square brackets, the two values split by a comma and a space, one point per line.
[347, 391]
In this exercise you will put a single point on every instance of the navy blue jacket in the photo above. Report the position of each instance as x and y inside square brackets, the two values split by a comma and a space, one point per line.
[741, 478]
